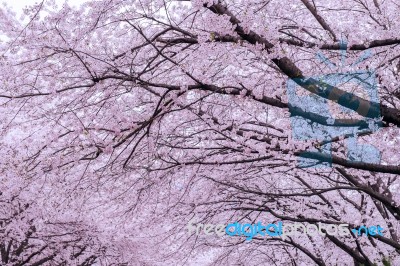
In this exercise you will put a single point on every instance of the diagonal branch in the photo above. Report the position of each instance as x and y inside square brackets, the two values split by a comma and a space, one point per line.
[320, 19]
[345, 99]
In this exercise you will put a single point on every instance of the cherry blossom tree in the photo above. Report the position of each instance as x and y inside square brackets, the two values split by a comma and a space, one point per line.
[125, 119]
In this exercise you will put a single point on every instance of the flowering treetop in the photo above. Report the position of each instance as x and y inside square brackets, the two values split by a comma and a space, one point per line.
[130, 114]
